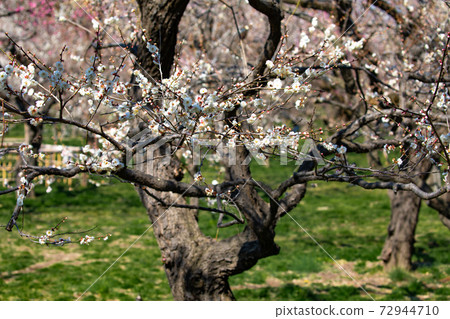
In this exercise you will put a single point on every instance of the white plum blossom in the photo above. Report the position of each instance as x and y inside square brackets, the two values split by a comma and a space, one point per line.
[258, 103]
[83, 157]
[300, 103]
[276, 84]
[269, 64]
[296, 86]
[338, 54]
[9, 69]
[187, 101]
[43, 74]
[209, 191]
[101, 68]
[86, 240]
[314, 23]
[59, 66]
[26, 149]
[3, 76]
[95, 24]
[304, 40]
[152, 48]
[283, 71]
[198, 177]
[329, 36]
[33, 110]
[330, 146]
[20, 199]
[261, 156]
[341, 150]
[187, 154]
[352, 45]
[445, 138]
[443, 101]
[116, 164]
[252, 118]
[111, 20]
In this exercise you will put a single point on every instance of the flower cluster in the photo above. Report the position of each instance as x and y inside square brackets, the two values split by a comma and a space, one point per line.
[86, 240]
[443, 101]
[7, 71]
[96, 161]
[282, 138]
[26, 75]
[198, 177]
[44, 239]
[153, 49]
[341, 150]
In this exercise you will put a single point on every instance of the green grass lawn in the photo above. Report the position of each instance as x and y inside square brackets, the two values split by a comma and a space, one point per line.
[349, 224]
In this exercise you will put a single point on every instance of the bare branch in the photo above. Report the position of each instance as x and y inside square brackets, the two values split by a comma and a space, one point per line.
[424, 79]
[208, 209]
[323, 5]
[299, 178]
[10, 190]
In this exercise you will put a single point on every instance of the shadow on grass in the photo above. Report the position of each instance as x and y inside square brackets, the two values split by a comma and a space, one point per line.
[431, 250]
[410, 291]
[294, 292]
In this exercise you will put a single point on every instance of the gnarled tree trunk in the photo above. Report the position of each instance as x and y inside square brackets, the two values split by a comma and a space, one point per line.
[186, 253]
[197, 266]
[399, 246]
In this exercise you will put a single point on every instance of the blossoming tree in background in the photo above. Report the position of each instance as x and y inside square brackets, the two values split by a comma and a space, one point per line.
[169, 85]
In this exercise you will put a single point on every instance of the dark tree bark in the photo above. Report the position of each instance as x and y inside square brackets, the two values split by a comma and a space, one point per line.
[399, 246]
[442, 205]
[186, 252]
[160, 19]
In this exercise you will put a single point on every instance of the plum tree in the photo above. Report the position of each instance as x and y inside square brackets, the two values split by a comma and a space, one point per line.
[164, 90]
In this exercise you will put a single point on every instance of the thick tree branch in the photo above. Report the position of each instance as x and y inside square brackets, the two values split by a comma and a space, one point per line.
[299, 178]
[442, 205]
[291, 199]
[425, 79]
[271, 9]
[324, 5]
[330, 7]
[161, 22]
